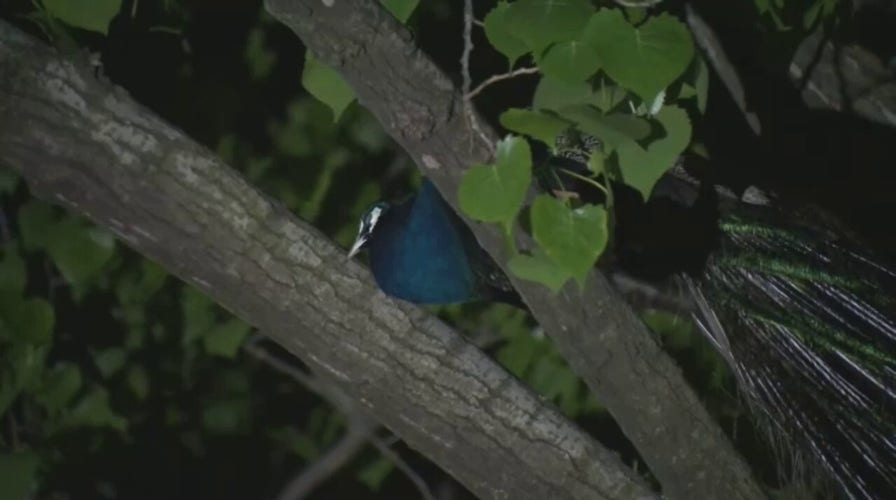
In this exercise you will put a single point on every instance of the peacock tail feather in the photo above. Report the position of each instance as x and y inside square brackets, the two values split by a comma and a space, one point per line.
[807, 321]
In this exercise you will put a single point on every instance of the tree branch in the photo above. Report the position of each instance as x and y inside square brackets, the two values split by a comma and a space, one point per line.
[88, 146]
[597, 333]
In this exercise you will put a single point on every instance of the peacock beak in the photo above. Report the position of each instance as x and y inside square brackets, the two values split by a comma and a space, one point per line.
[357, 246]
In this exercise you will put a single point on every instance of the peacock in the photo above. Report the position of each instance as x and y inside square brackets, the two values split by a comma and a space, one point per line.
[802, 312]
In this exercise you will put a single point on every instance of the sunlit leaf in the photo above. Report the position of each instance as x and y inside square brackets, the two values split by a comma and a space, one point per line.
[538, 23]
[642, 168]
[535, 124]
[645, 59]
[571, 61]
[612, 129]
[572, 238]
[500, 37]
[495, 193]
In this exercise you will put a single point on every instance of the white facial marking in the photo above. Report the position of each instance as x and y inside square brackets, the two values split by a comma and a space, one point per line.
[375, 213]
[368, 222]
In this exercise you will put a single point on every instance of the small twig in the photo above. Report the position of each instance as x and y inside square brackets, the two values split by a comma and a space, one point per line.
[399, 463]
[586, 179]
[468, 45]
[361, 430]
[355, 439]
[468, 95]
[306, 379]
[465, 69]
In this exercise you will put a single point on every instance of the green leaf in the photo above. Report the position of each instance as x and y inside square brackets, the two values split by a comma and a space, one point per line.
[26, 320]
[92, 15]
[18, 475]
[612, 129]
[109, 361]
[324, 83]
[541, 126]
[92, 410]
[557, 383]
[374, 473]
[641, 168]
[198, 314]
[34, 219]
[596, 162]
[21, 368]
[59, 387]
[226, 416]
[296, 442]
[645, 59]
[79, 251]
[9, 180]
[701, 84]
[12, 270]
[573, 239]
[225, 339]
[138, 381]
[520, 353]
[570, 61]
[696, 83]
[401, 9]
[258, 58]
[539, 268]
[498, 34]
[538, 23]
[553, 94]
[495, 193]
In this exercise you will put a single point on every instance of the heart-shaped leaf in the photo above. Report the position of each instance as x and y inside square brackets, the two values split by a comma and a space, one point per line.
[539, 268]
[645, 59]
[570, 61]
[541, 126]
[641, 168]
[499, 35]
[573, 239]
[495, 193]
[612, 129]
[539, 23]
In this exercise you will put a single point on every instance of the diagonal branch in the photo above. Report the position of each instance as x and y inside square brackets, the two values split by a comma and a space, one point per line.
[597, 333]
[88, 146]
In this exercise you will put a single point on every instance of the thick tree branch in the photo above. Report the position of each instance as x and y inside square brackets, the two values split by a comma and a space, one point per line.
[88, 146]
[596, 332]
[844, 78]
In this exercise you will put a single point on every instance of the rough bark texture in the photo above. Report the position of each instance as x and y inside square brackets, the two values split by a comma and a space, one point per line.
[844, 78]
[88, 146]
[595, 330]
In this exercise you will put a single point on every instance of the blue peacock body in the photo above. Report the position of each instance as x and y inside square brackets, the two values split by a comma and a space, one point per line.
[421, 252]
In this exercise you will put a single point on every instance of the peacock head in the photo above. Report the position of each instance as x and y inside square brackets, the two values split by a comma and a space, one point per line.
[369, 219]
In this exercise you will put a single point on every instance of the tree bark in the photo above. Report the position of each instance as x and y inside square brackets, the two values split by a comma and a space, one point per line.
[594, 329]
[86, 145]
